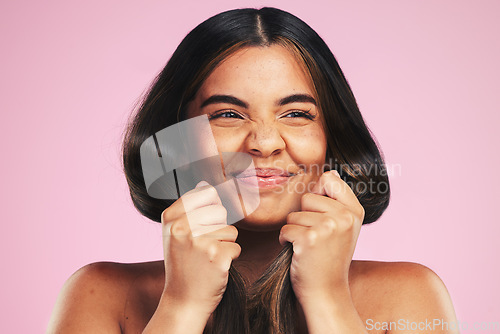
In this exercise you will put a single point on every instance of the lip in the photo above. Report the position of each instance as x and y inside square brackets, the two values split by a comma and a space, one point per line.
[263, 178]
[263, 182]
[263, 173]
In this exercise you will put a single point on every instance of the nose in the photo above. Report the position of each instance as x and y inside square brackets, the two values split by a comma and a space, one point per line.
[264, 140]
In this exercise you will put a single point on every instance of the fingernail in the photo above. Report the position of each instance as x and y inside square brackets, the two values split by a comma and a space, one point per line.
[335, 172]
[201, 184]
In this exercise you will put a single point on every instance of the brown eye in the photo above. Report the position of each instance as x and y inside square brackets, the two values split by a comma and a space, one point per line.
[299, 113]
[225, 114]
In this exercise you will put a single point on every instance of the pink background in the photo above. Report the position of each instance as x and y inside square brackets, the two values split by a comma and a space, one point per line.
[426, 76]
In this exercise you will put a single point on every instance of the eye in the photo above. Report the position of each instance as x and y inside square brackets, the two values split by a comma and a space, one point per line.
[224, 114]
[300, 113]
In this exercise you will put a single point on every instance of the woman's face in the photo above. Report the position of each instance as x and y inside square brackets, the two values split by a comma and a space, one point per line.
[260, 101]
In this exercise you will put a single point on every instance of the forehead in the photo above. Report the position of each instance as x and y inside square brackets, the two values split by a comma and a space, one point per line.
[258, 72]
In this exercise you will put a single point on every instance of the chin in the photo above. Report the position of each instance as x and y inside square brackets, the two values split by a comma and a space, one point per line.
[262, 221]
[271, 214]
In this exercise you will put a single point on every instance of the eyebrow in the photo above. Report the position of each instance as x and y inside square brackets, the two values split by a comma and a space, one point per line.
[214, 99]
[297, 98]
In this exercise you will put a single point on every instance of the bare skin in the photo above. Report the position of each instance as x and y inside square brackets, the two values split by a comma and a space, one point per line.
[122, 298]
[335, 293]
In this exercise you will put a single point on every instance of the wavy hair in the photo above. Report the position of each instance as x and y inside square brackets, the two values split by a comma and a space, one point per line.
[269, 304]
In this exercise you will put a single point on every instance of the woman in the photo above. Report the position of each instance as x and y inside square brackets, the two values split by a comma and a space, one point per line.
[270, 88]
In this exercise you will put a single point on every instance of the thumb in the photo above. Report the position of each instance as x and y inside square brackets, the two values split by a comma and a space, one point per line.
[324, 186]
[201, 184]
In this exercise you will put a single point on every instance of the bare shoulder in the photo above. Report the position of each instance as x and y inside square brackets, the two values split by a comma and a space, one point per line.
[95, 296]
[396, 275]
[400, 291]
[401, 273]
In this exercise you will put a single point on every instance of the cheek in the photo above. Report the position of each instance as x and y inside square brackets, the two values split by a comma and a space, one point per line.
[228, 140]
[309, 147]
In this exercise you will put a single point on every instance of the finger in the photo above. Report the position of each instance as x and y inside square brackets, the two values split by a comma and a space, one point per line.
[200, 196]
[227, 233]
[291, 233]
[204, 230]
[330, 184]
[232, 249]
[229, 252]
[177, 229]
[201, 220]
[207, 216]
[304, 218]
[319, 203]
[219, 232]
[207, 219]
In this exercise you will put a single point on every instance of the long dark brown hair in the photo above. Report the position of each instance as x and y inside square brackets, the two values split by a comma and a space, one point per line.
[269, 304]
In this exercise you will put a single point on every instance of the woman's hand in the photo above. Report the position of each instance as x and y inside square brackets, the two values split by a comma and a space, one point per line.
[199, 247]
[324, 235]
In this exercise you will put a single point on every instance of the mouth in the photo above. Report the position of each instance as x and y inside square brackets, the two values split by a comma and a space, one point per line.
[262, 172]
[264, 178]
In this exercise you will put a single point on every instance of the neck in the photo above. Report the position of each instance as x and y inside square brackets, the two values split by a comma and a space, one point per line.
[258, 250]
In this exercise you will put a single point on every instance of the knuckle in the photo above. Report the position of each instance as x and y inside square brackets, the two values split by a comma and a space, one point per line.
[166, 216]
[287, 227]
[237, 250]
[330, 224]
[211, 191]
[325, 175]
[211, 252]
[310, 237]
[228, 233]
[362, 212]
[225, 266]
[233, 231]
[221, 212]
[179, 229]
[349, 221]
[306, 198]
[328, 176]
